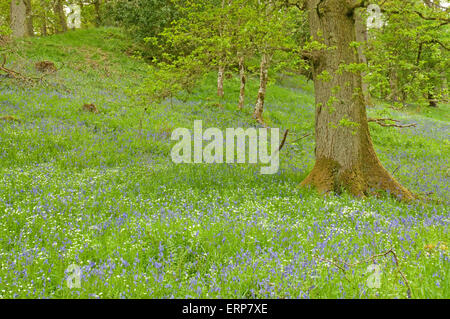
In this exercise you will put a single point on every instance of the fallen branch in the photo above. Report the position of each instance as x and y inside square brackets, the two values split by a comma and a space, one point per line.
[19, 76]
[384, 123]
[371, 258]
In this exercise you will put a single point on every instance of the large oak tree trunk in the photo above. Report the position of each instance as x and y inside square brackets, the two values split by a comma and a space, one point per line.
[21, 18]
[345, 157]
[361, 37]
[263, 79]
[243, 82]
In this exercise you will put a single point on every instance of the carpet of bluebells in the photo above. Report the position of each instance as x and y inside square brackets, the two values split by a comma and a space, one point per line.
[99, 191]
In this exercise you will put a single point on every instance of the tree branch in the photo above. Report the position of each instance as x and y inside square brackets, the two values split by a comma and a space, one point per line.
[371, 258]
[420, 14]
[19, 76]
[284, 140]
[383, 122]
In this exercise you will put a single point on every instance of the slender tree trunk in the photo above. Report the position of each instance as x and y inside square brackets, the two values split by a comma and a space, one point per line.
[221, 73]
[431, 99]
[98, 20]
[29, 18]
[444, 87]
[21, 18]
[263, 78]
[393, 83]
[243, 82]
[44, 31]
[220, 76]
[345, 157]
[59, 10]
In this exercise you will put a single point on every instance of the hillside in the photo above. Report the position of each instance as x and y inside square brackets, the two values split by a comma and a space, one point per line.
[100, 190]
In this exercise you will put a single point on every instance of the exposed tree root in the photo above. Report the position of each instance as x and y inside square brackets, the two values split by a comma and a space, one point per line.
[370, 178]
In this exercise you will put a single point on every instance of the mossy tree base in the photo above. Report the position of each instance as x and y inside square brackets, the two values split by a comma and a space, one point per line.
[328, 176]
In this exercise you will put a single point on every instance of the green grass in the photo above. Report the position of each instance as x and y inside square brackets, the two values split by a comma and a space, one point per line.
[100, 191]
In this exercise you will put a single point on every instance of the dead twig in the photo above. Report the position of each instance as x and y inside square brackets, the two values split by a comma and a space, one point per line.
[335, 264]
[371, 258]
[302, 137]
[395, 170]
[284, 140]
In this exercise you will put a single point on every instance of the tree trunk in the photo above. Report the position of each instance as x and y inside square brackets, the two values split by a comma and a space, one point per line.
[21, 18]
[444, 87]
[98, 20]
[393, 83]
[361, 37]
[263, 78]
[29, 18]
[431, 99]
[345, 157]
[59, 10]
[243, 82]
[44, 31]
[220, 76]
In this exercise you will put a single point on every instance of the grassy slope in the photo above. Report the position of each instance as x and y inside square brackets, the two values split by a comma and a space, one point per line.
[101, 192]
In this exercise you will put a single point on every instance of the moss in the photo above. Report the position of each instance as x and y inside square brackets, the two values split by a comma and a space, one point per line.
[328, 176]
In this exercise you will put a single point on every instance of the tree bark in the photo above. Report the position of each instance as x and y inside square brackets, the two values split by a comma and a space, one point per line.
[243, 82]
[361, 37]
[345, 157]
[263, 79]
[21, 18]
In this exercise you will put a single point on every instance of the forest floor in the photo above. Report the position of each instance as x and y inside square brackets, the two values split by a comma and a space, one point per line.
[100, 191]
